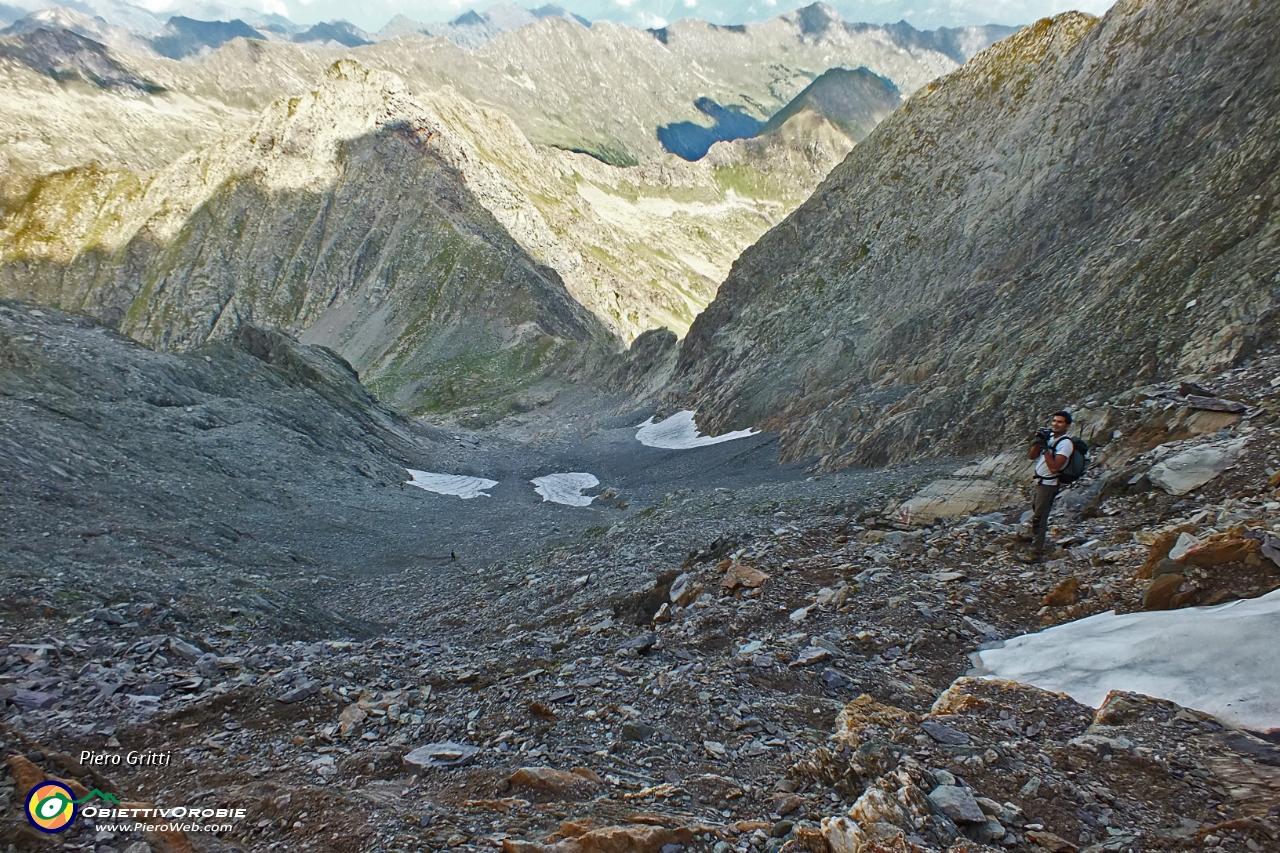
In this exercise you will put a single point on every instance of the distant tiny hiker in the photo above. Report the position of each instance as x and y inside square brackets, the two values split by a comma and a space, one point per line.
[1052, 451]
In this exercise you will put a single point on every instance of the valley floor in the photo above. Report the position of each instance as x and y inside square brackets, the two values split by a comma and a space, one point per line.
[723, 654]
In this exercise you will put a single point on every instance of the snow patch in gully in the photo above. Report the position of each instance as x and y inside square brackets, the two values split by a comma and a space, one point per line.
[451, 484]
[679, 432]
[566, 488]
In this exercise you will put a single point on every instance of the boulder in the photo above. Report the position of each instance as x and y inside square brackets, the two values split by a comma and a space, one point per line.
[955, 497]
[1215, 404]
[742, 575]
[1191, 469]
[848, 836]
[957, 803]
[636, 838]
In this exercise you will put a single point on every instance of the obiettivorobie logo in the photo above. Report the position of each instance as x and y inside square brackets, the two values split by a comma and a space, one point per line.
[52, 806]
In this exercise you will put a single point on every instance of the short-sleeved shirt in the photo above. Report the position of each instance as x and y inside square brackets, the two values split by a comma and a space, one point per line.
[1060, 446]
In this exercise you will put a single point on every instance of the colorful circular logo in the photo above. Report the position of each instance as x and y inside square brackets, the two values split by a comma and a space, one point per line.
[51, 807]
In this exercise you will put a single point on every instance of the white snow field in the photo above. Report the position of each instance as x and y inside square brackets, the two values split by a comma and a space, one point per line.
[1220, 660]
[565, 488]
[452, 484]
[679, 432]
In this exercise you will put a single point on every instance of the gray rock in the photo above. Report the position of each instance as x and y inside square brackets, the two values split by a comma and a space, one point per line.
[636, 731]
[445, 754]
[1191, 469]
[1215, 404]
[640, 644]
[31, 700]
[184, 649]
[107, 616]
[297, 694]
[944, 733]
[957, 803]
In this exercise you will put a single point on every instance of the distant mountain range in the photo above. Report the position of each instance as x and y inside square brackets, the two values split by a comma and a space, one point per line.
[477, 26]
[644, 14]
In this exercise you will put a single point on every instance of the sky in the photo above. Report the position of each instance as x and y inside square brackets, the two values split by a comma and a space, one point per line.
[657, 13]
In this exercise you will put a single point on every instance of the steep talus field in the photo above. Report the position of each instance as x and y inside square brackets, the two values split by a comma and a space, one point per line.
[342, 216]
[1085, 207]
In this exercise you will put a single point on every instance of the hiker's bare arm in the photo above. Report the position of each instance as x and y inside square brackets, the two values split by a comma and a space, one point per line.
[1055, 461]
[1033, 452]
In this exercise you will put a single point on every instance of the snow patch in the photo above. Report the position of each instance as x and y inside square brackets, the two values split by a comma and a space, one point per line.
[1219, 660]
[565, 488]
[679, 432]
[451, 484]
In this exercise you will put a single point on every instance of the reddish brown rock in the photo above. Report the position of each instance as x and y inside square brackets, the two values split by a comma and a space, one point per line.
[560, 783]
[1051, 842]
[1160, 547]
[742, 575]
[1062, 595]
[26, 773]
[1229, 547]
[1160, 592]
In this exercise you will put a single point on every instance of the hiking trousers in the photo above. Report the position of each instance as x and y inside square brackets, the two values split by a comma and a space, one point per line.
[1042, 495]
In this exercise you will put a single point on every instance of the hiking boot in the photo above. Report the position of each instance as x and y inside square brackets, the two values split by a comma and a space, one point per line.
[1030, 558]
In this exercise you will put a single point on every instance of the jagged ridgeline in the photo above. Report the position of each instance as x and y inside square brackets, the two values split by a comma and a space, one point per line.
[1083, 208]
[344, 217]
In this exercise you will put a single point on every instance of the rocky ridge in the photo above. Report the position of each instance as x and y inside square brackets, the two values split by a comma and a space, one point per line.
[415, 298]
[92, 238]
[1118, 167]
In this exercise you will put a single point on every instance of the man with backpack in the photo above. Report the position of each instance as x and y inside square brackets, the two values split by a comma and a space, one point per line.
[1052, 450]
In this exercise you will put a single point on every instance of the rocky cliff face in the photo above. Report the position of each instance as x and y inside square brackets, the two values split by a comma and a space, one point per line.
[1083, 208]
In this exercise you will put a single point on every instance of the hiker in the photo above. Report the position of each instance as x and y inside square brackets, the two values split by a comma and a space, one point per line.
[1052, 451]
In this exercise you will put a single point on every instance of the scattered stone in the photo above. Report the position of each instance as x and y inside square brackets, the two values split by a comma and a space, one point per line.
[641, 644]
[32, 700]
[110, 617]
[810, 655]
[632, 730]
[1215, 404]
[957, 803]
